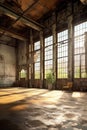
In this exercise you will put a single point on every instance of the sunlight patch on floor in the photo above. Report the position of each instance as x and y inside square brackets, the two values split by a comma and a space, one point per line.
[77, 94]
[19, 107]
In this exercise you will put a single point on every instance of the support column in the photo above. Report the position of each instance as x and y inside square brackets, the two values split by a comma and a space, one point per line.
[54, 49]
[42, 59]
[86, 52]
[54, 26]
[32, 59]
[70, 49]
[27, 61]
[17, 66]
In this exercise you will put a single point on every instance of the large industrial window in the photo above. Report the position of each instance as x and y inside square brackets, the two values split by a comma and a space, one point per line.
[62, 55]
[79, 50]
[37, 59]
[48, 54]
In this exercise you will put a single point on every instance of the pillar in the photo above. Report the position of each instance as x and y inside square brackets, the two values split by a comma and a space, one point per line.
[31, 62]
[42, 59]
[86, 52]
[17, 65]
[70, 48]
[27, 61]
[54, 26]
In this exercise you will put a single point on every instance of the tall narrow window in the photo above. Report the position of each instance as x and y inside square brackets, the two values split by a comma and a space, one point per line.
[22, 74]
[48, 54]
[62, 56]
[37, 59]
[79, 50]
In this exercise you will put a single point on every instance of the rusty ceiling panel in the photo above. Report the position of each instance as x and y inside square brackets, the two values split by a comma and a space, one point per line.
[51, 4]
[35, 8]
[41, 8]
[37, 11]
[26, 3]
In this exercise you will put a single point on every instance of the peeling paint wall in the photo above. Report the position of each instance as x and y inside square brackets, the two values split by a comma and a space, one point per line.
[7, 65]
[22, 61]
[22, 53]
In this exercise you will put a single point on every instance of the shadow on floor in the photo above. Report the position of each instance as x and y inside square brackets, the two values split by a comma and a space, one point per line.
[8, 125]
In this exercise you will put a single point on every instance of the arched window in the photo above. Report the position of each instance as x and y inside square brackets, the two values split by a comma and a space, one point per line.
[23, 73]
[37, 60]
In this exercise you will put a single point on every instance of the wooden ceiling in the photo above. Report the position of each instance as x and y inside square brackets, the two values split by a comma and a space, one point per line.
[34, 9]
[18, 16]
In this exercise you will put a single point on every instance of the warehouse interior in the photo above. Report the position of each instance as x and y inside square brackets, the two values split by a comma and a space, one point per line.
[43, 64]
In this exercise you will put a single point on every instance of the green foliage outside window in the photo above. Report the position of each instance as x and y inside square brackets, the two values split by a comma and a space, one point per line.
[47, 72]
[22, 74]
[62, 73]
[37, 75]
[77, 74]
[84, 75]
[50, 77]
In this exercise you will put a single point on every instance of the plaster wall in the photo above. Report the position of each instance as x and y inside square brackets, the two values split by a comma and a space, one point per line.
[7, 65]
[22, 53]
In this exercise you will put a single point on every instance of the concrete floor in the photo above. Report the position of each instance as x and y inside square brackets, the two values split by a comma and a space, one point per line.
[38, 109]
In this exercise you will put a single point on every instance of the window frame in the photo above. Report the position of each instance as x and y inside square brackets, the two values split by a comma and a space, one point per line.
[62, 54]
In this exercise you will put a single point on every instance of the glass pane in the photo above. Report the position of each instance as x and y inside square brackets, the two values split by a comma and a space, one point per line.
[62, 54]
[79, 50]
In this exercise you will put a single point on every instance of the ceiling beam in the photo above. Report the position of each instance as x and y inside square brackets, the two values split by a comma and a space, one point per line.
[27, 21]
[6, 43]
[12, 34]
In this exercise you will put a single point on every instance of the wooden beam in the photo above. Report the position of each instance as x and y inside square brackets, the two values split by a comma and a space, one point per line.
[27, 21]
[6, 43]
[12, 34]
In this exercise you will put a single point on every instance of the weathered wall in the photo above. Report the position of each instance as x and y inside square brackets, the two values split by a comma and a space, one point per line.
[21, 63]
[21, 53]
[7, 65]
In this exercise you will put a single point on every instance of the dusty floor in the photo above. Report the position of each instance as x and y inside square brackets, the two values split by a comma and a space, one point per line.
[38, 109]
